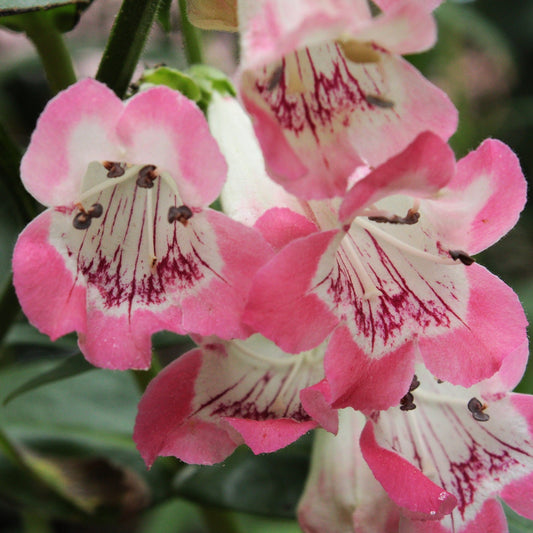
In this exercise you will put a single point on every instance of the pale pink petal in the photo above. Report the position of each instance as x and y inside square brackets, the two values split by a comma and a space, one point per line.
[359, 381]
[279, 289]
[420, 171]
[265, 436]
[326, 115]
[46, 285]
[165, 425]
[272, 28]
[404, 483]
[76, 127]
[483, 201]
[387, 5]
[518, 495]
[163, 128]
[492, 328]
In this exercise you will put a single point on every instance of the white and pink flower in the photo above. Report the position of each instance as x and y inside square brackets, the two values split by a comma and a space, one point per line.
[127, 245]
[329, 91]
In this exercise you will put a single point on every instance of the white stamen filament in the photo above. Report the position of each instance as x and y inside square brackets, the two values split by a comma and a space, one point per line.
[110, 182]
[404, 246]
[150, 227]
[442, 399]
[167, 178]
[427, 466]
[281, 362]
[370, 290]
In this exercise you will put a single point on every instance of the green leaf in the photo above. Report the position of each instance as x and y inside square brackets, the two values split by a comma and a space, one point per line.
[269, 484]
[70, 367]
[15, 7]
[517, 523]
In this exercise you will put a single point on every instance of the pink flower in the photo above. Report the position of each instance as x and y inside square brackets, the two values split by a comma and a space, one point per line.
[225, 393]
[392, 276]
[441, 458]
[127, 246]
[329, 91]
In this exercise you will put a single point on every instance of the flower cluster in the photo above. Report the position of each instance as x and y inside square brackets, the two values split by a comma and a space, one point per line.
[339, 289]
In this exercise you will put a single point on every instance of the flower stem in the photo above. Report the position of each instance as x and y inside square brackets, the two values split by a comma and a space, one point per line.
[47, 39]
[126, 42]
[191, 37]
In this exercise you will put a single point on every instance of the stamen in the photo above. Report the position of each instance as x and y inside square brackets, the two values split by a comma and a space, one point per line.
[247, 354]
[461, 256]
[147, 176]
[82, 220]
[129, 173]
[407, 402]
[379, 101]
[370, 290]
[115, 169]
[167, 178]
[181, 214]
[275, 78]
[410, 218]
[150, 228]
[477, 408]
[95, 211]
[414, 384]
[402, 245]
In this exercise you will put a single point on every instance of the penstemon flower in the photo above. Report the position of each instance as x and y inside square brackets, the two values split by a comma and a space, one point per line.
[329, 91]
[128, 246]
[441, 457]
[392, 274]
[226, 393]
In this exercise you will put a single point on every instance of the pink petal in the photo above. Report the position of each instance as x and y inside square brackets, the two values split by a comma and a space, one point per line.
[216, 308]
[76, 127]
[165, 425]
[404, 483]
[162, 127]
[359, 381]
[279, 289]
[279, 226]
[314, 402]
[48, 291]
[493, 328]
[420, 171]
[518, 495]
[469, 214]
[265, 436]
[313, 144]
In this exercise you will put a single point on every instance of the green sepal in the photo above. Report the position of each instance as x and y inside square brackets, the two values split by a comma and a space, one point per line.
[197, 83]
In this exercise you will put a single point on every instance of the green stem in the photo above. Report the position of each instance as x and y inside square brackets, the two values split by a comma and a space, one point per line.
[218, 520]
[10, 450]
[191, 37]
[48, 41]
[126, 42]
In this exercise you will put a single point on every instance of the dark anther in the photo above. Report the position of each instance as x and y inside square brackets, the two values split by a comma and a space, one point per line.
[407, 402]
[412, 217]
[95, 211]
[379, 101]
[146, 178]
[181, 214]
[477, 408]
[461, 256]
[275, 79]
[82, 220]
[414, 384]
[114, 169]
